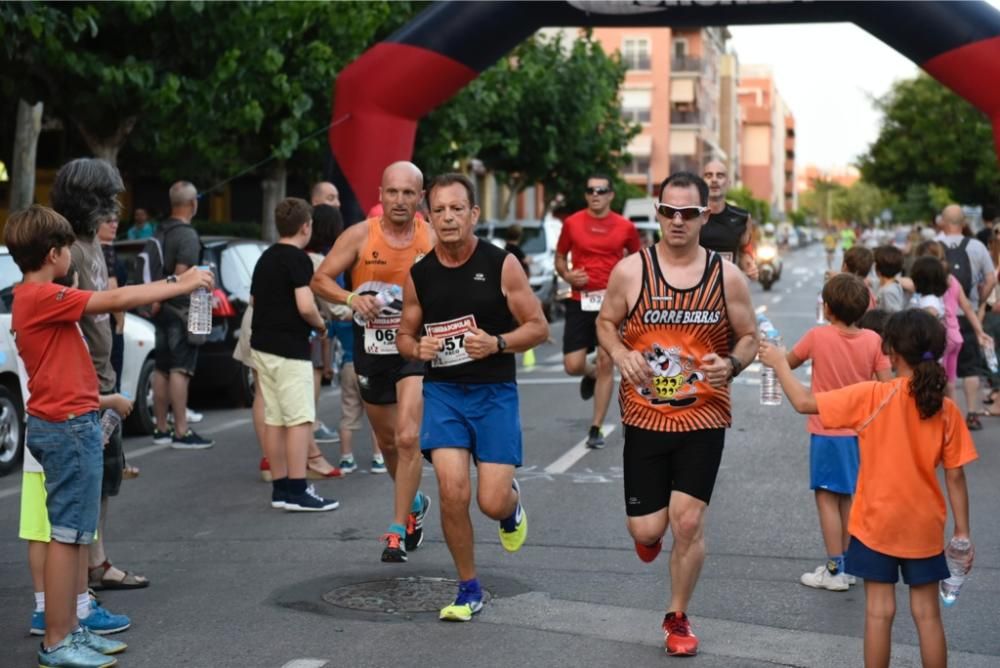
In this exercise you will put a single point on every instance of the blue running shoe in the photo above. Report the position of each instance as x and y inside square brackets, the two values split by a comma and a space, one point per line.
[468, 602]
[105, 646]
[71, 653]
[38, 623]
[102, 622]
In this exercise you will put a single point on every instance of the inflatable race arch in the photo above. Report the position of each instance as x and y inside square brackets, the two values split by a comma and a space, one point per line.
[379, 98]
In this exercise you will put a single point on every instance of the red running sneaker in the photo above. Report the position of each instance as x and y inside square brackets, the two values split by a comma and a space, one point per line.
[678, 638]
[648, 552]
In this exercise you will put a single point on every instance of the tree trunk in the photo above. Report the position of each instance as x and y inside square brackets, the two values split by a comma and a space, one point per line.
[273, 187]
[107, 148]
[29, 126]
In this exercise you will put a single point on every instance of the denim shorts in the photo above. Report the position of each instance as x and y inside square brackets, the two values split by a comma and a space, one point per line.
[483, 418]
[71, 455]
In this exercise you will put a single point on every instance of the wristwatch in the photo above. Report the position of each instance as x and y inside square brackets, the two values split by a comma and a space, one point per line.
[501, 344]
[737, 365]
[172, 278]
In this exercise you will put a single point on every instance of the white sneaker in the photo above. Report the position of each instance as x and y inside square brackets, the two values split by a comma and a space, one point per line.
[823, 579]
[193, 417]
[851, 580]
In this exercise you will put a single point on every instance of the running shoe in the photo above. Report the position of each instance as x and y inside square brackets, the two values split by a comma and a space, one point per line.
[278, 498]
[595, 439]
[309, 501]
[648, 553]
[191, 441]
[104, 622]
[324, 434]
[163, 437]
[193, 417]
[37, 623]
[105, 646]
[468, 602]
[513, 540]
[587, 387]
[415, 524]
[395, 548]
[678, 638]
[347, 464]
[72, 652]
[378, 464]
[822, 578]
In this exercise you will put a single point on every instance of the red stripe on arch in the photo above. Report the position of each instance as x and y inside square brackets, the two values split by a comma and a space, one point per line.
[379, 99]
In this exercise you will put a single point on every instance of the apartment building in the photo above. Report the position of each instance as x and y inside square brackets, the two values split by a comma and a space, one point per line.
[767, 140]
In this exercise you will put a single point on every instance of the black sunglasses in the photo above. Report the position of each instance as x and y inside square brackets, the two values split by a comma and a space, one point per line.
[597, 191]
[686, 212]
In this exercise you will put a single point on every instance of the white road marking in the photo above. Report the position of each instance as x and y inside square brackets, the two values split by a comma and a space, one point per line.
[575, 454]
[553, 358]
[776, 299]
[306, 663]
[227, 425]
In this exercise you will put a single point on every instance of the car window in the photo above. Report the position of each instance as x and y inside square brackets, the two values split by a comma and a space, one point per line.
[236, 268]
[9, 275]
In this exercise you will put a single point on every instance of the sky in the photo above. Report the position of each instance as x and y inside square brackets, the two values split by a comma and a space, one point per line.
[827, 74]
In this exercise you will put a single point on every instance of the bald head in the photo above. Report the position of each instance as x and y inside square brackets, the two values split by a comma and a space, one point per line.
[325, 192]
[404, 170]
[717, 178]
[183, 201]
[952, 218]
[400, 193]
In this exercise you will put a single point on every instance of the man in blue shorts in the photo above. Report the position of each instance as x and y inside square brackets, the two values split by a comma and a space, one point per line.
[467, 307]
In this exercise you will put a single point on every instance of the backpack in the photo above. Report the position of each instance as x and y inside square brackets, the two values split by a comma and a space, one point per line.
[147, 267]
[960, 265]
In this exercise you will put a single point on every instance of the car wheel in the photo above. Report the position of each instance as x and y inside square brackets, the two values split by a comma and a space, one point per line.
[141, 420]
[11, 430]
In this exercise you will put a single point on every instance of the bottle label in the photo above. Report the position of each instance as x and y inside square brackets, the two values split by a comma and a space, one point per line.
[452, 334]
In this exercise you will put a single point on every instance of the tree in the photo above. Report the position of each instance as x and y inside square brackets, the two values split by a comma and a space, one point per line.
[930, 135]
[862, 203]
[527, 120]
[760, 211]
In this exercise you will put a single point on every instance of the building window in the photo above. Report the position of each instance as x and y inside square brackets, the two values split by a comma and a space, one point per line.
[636, 105]
[639, 166]
[680, 49]
[635, 53]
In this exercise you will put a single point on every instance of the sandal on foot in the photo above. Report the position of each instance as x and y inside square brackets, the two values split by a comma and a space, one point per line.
[130, 472]
[973, 423]
[99, 579]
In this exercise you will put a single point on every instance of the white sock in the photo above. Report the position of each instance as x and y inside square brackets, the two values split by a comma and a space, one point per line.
[39, 601]
[82, 605]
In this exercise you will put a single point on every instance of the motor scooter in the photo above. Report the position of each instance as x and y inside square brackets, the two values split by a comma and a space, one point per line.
[768, 265]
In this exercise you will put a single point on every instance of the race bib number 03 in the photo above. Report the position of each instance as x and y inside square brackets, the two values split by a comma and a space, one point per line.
[380, 336]
[452, 334]
[591, 301]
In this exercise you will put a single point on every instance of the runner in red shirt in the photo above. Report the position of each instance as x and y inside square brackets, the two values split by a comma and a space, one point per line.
[593, 240]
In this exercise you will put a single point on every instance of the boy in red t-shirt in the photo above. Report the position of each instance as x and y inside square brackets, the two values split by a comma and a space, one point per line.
[907, 428]
[841, 355]
[63, 430]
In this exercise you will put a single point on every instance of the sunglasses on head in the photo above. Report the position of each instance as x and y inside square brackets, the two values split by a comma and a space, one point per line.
[600, 190]
[686, 212]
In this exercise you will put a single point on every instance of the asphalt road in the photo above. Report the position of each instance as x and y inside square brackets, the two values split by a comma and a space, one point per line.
[235, 583]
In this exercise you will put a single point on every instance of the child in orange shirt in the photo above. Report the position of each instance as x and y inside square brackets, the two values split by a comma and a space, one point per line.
[841, 354]
[905, 427]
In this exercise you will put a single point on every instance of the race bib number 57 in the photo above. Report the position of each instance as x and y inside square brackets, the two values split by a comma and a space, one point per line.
[452, 334]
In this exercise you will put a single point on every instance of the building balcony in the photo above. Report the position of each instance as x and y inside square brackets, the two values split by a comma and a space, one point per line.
[685, 64]
[789, 166]
[685, 117]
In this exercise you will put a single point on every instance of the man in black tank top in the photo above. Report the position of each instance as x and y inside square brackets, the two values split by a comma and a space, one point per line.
[467, 307]
[729, 230]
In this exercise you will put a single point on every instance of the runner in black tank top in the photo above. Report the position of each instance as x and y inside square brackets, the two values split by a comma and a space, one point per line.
[728, 231]
[466, 307]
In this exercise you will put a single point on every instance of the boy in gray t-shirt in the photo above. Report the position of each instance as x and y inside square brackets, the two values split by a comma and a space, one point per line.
[890, 296]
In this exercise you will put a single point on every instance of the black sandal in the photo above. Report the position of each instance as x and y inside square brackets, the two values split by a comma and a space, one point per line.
[972, 422]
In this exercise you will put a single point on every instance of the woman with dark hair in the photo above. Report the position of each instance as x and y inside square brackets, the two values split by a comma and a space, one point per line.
[905, 428]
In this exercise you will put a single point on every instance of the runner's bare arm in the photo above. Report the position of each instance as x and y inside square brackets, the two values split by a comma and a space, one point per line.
[532, 327]
[742, 319]
[622, 292]
[747, 259]
[409, 341]
[577, 277]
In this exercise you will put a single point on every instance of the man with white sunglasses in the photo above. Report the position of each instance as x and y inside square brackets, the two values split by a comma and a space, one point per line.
[594, 239]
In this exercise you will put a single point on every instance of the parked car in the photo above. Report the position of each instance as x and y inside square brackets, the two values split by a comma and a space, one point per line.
[233, 261]
[137, 366]
[538, 241]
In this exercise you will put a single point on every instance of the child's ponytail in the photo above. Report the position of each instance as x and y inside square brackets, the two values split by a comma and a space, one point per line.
[919, 338]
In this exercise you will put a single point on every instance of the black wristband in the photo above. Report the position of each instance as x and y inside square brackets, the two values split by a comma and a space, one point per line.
[737, 365]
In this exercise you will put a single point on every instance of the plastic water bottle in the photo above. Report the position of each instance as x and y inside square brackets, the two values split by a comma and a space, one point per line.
[990, 353]
[388, 299]
[200, 312]
[820, 314]
[770, 390]
[110, 420]
[956, 554]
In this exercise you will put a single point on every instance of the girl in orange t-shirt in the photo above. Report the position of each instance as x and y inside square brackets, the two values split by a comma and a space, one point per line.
[906, 428]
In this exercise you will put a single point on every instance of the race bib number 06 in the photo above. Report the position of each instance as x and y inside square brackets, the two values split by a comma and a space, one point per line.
[452, 334]
[380, 336]
[591, 301]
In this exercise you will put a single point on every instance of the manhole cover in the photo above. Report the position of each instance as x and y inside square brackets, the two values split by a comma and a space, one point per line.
[417, 594]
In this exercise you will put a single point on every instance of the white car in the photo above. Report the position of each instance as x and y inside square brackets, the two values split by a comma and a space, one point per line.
[140, 338]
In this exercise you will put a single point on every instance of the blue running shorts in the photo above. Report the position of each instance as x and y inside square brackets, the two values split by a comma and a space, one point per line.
[833, 463]
[484, 418]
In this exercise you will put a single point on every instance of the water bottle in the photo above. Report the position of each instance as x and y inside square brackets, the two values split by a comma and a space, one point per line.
[110, 420]
[200, 312]
[990, 353]
[956, 554]
[770, 390]
[389, 301]
[820, 314]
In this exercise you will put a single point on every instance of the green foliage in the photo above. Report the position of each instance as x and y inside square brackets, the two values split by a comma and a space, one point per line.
[930, 135]
[527, 119]
[760, 211]
[861, 202]
[920, 203]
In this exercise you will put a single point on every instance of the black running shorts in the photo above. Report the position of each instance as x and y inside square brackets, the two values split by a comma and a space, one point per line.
[380, 389]
[657, 463]
[580, 328]
[970, 357]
